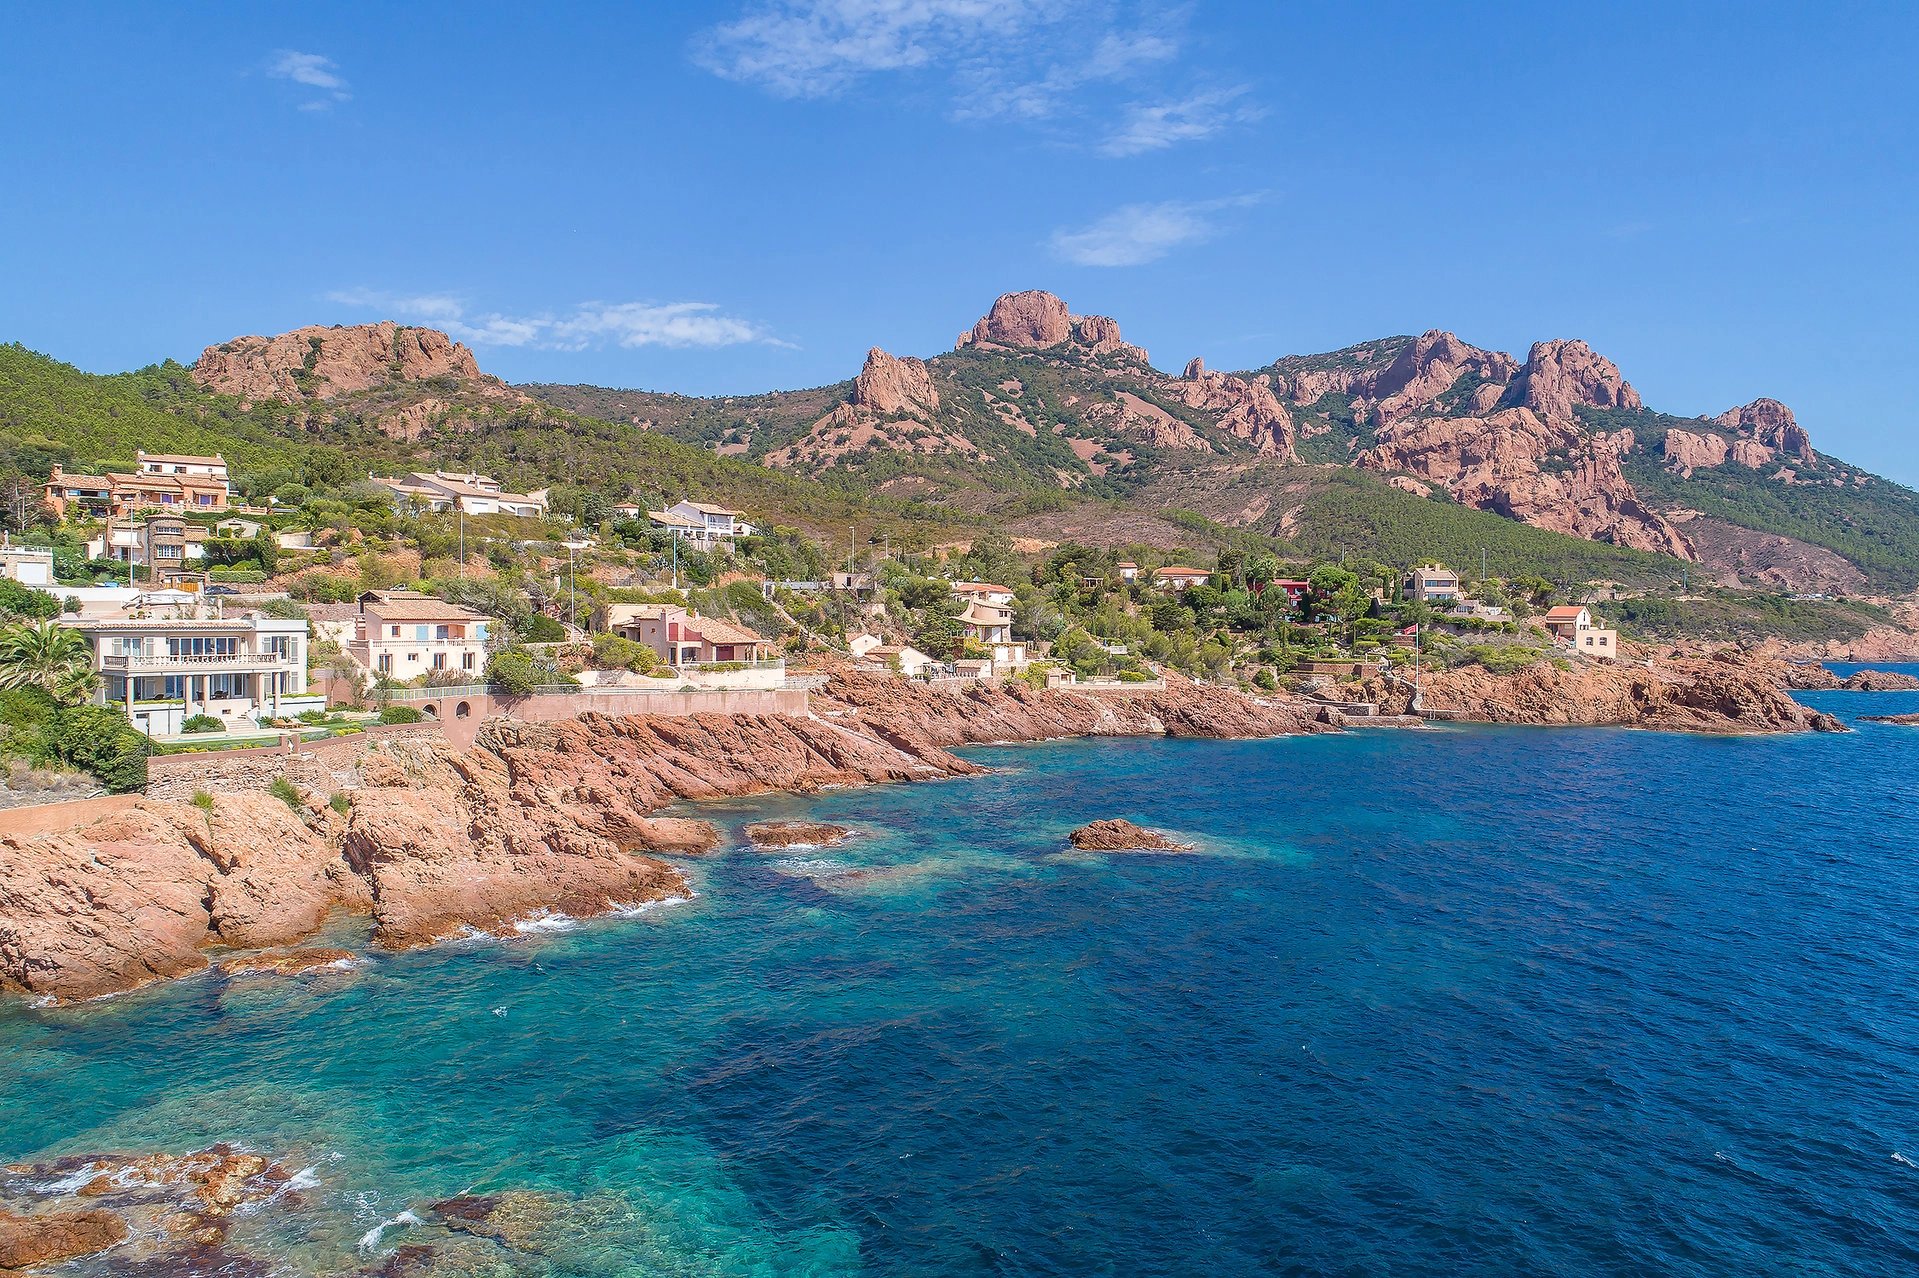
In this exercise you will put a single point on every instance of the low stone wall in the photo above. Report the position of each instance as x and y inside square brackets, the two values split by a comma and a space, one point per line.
[460, 714]
[318, 765]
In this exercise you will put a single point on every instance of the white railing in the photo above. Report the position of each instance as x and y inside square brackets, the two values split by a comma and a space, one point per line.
[194, 662]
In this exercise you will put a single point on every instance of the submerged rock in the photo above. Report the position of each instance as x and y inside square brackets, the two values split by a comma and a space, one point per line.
[774, 835]
[1115, 835]
[284, 962]
[31, 1239]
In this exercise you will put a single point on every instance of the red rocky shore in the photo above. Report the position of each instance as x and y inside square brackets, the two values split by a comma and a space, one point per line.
[433, 841]
[536, 818]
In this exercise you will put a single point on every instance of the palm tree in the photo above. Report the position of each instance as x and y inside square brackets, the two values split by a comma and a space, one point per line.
[47, 656]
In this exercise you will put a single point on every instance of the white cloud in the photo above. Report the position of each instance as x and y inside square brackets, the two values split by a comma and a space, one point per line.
[1156, 126]
[315, 72]
[815, 48]
[588, 325]
[1140, 233]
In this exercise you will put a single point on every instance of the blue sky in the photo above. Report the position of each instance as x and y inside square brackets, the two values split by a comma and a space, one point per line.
[746, 195]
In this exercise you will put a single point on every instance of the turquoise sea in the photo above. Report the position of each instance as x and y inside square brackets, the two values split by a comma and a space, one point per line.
[1456, 1001]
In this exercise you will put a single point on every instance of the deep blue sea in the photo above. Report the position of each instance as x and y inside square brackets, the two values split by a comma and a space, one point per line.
[1455, 1001]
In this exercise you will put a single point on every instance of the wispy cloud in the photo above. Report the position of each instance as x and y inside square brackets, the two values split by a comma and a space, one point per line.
[1136, 234]
[315, 72]
[1067, 64]
[1156, 126]
[816, 48]
[583, 327]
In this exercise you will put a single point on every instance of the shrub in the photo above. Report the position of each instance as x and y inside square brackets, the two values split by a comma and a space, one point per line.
[100, 740]
[203, 800]
[1265, 680]
[540, 628]
[615, 652]
[282, 789]
[339, 802]
[1134, 676]
[202, 723]
[513, 671]
[400, 714]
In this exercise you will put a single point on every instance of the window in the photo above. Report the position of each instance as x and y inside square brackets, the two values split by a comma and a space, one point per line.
[393, 632]
[439, 661]
[466, 661]
[386, 663]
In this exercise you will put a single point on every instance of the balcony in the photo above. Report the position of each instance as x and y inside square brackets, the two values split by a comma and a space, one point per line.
[197, 663]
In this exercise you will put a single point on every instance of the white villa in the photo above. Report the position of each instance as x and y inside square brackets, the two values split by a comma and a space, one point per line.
[28, 565]
[700, 521]
[164, 661]
[473, 494]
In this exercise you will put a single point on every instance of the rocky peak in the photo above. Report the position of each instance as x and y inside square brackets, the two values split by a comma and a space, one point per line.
[1561, 374]
[1246, 409]
[320, 362]
[1429, 366]
[894, 387]
[1194, 367]
[1771, 423]
[1036, 320]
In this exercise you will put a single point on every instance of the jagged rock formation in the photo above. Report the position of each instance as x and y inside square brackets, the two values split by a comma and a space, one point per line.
[1687, 451]
[1037, 320]
[892, 386]
[1245, 408]
[1771, 425]
[321, 363]
[1559, 375]
[1549, 473]
[1419, 372]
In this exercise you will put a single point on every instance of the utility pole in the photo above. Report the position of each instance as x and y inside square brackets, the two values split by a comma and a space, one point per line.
[1482, 565]
[462, 539]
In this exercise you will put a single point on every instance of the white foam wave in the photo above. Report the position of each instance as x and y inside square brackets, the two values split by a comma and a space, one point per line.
[805, 868]
[545, 921]
[73, 1182]
[1898, 1157]
[633, 911]
[370, 1240]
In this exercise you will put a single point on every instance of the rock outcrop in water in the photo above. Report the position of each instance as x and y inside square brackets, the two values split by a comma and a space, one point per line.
[776, 835]
[1117, 835]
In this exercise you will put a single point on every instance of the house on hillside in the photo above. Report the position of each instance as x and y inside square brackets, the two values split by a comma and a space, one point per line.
[700, 521]
[1433, 584]
[1295, 589]
[171, 482]
[627, 510]
[1128, 571]
[682, 638]
[1175, 577]
[904, 658]
[159, 549]
[472, 494]
[404, 634]
[28, 565]
[987, 619]
[165, 657]
[1572, 625]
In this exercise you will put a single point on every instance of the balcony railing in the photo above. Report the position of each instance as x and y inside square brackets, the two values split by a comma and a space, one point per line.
[195, 663]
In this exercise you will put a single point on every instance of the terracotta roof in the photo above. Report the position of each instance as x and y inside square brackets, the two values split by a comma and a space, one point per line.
[80, 481]
[979, 588]
[672, 520]
[706, 509]
[1175, 570]
[1565, 612]
[400, 611]
[714, 630]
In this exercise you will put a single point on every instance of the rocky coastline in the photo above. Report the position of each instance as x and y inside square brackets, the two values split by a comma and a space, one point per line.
[434, 842]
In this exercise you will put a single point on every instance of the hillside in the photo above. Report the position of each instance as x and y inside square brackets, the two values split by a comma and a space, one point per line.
[1039, 409]
[52, 413]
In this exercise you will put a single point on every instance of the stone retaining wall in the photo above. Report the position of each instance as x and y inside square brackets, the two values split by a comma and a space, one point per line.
[325, 766]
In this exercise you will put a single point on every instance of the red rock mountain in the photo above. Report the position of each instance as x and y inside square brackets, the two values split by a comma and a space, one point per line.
[1036, 320]
[320, 363]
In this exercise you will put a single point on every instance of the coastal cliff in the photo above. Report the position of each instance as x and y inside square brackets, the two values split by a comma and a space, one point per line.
[434, 841]
[1729, 692]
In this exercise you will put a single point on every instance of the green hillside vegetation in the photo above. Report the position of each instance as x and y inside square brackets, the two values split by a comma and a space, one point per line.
[1744, 615]
[1869, 520]
[52, 413]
